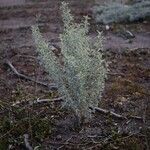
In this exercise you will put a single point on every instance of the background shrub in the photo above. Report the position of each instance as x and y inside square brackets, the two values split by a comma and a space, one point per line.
[117, 12]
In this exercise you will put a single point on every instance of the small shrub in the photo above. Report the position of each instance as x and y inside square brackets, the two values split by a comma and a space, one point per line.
[81, 77]
[116, 12]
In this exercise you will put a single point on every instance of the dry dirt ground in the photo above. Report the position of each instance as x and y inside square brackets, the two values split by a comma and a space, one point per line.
[49, 127]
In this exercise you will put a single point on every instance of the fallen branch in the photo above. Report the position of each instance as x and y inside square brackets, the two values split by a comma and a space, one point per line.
[50, 86]
[136, 117]
[106, 112]
[113, 114]
[48, 100]
[59, 99]
[26, 141]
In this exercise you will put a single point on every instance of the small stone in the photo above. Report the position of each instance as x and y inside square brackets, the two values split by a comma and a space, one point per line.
[107, 27]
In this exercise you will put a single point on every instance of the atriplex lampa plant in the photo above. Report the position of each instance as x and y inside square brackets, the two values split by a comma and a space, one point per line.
[81, 78]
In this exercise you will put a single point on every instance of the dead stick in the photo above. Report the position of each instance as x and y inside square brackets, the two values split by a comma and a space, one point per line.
[59, 99]
[104, 111]
[136, 117]
[50, 86]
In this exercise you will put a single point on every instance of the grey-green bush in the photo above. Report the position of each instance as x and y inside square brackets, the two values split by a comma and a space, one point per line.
[82, 76]
[117, 12]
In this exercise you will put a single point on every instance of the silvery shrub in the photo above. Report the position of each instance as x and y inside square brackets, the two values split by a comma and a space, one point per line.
[81, 77]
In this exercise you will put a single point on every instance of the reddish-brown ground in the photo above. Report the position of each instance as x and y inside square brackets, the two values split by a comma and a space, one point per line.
[49, 127]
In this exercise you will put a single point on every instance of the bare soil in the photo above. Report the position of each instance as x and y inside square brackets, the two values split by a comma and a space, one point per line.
[49, 127]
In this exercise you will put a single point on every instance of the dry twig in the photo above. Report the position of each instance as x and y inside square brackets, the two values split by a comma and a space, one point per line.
[104, 111]
[59, 99]
[113, 114]
[50, 86]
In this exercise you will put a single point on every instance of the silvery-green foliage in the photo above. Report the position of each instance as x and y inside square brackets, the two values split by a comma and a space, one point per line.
[82, 76]
[50, 61]
[117, 12]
